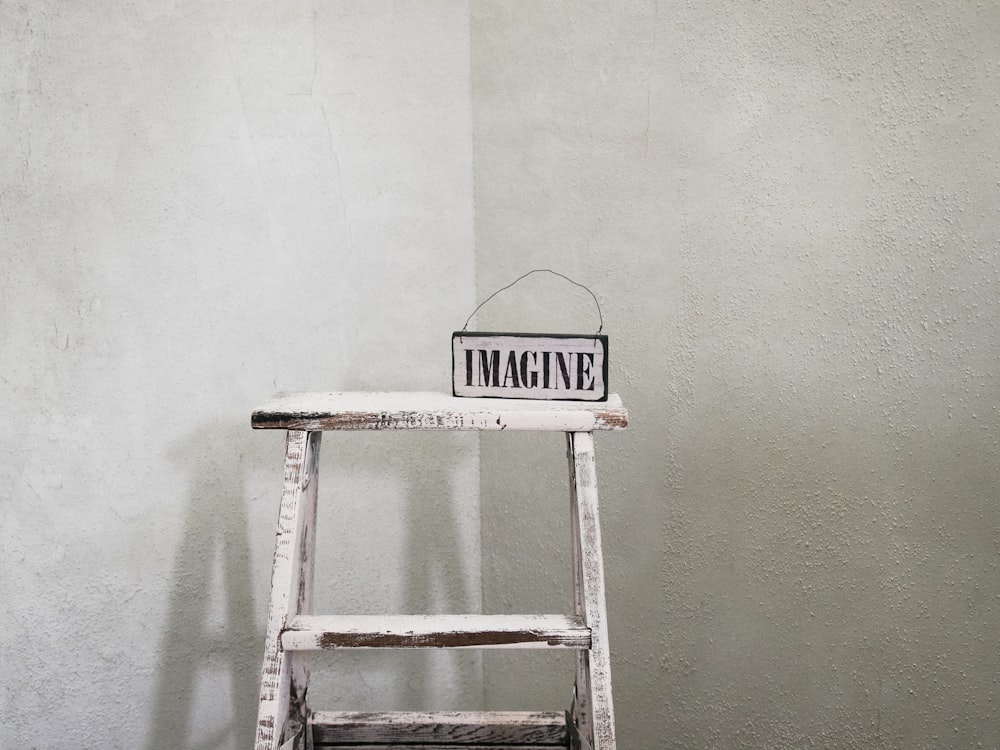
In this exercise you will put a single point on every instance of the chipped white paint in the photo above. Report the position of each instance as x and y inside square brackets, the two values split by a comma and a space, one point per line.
[434, 411]
[509, 729]
[283, 684]
[580, 710]
[292, 629]
[315, 632]
[589, 594]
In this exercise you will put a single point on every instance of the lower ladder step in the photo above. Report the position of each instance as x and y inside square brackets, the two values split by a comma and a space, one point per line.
[444, 730]
[312, 632]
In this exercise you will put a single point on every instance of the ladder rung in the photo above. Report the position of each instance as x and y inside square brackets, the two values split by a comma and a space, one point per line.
[313, 632]
[446, 729]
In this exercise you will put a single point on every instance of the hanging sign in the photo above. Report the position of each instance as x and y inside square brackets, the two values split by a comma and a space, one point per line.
[552, 366]
[544, 366]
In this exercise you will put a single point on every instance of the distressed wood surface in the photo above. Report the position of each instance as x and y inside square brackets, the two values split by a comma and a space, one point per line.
[435, 631]
[577, 741]
[580, 708]
[301, 453]
[451, 729]
[597, 665]
[435, 746]
[434, 411]
[301, 590]
[283, 718]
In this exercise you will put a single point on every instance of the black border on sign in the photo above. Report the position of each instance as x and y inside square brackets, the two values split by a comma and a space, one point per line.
[603, 339]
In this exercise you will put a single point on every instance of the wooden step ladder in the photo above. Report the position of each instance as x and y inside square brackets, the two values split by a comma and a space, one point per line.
[286, 722]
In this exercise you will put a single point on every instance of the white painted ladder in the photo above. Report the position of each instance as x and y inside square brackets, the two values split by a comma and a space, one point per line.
[285, 721]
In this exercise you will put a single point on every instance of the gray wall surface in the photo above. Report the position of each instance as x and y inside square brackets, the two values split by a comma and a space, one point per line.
[788, 213]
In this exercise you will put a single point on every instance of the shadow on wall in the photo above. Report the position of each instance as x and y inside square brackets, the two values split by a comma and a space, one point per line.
[210, 643]
[394, 534]
[438, 562]
[210, 652]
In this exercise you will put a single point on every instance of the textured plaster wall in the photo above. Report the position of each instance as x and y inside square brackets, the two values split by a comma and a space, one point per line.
[789, 213]
[202, 203]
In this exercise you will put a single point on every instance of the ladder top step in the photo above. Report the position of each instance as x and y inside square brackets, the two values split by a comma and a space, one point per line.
[313, 632]
[434, 411]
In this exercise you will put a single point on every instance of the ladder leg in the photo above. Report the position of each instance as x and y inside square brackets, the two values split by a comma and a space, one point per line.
[284, 681]
[299, 708]
[593, 688]
[580, 711]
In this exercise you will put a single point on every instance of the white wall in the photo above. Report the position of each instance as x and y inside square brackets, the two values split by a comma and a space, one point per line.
[203, 203]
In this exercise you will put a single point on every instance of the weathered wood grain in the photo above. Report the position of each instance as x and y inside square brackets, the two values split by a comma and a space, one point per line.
[597, 667]
[580, 709]
[302, 586]
[434, 411]
[577, 741]
[283, 719]
[435, 746]
[305, 633]
[449, 729]
[301, 453]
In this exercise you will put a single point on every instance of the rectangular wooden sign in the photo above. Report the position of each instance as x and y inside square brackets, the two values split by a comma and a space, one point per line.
[550, 366]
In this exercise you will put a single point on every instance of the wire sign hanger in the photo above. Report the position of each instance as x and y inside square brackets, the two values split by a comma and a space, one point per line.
[547, 366]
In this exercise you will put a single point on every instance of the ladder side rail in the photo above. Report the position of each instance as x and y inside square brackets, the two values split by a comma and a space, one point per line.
[588, 532]
[580, 707]
[289, 591]
[298, 709]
